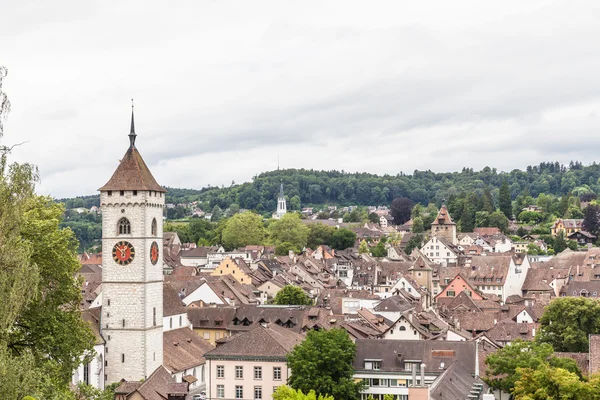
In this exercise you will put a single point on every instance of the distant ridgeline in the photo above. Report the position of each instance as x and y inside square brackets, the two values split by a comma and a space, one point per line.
[309, 187]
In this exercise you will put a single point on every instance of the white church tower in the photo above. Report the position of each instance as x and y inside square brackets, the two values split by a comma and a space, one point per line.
[281, 204]
[132, 272]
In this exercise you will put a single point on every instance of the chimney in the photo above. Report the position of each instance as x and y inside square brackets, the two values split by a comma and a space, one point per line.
[422, 375]
[414, 374]
[533, 332]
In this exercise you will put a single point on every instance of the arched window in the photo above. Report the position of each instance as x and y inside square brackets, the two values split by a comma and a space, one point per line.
[402, 328]
[154, 227]
[124, 227]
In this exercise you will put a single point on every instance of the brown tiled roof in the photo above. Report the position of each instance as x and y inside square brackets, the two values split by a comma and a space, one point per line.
[272, 341]
[92, 317]
[509, 331]
[132, 174]
[569, 223]
[394, 303]
[158, 386]
[443, 217]
[172, 304]
[456, 382]
[183, 349]
[211, 317]
[432, 353]
[536, 280]
[487, 231]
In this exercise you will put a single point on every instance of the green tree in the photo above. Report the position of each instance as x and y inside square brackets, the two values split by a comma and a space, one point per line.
[295, 204]
[373, 218]
[323, 362]
[530, 217]
[284, 248]
[291, 295]
[42, 335]
[418, 225]
[319, 234]
[504, 201]
[217, 214]
[200, 231]
[567, 323]
[343, 238]
[429, 215]
[498, 219]
[289, 229]
[233, 209]
[363, 248]
[51, 323]
[285, 392]
[379, 250]
[243, 229]
[560, 244]
[487, 201]
[503, 365]
[415, 242]
[546, 382]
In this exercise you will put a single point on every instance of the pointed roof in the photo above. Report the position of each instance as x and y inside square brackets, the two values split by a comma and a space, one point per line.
[132, 174]
[281, 191]
[443, 217]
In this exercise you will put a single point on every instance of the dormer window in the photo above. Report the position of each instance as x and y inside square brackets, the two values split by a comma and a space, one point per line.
[124, 227]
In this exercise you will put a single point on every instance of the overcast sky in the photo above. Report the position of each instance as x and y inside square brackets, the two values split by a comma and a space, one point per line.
[222, 87]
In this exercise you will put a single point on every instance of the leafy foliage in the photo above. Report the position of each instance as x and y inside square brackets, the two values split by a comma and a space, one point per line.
[285, 392]
[504, 365]
[291, 295]
[243, 229]
[400, 210]
[343, 238]
[323, 363]
[546, 382]
[289, 229]
[567, 323]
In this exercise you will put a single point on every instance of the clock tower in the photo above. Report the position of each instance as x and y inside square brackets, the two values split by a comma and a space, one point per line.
[132, 269]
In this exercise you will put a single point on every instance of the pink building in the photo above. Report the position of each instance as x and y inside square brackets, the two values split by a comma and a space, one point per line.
[250, 365]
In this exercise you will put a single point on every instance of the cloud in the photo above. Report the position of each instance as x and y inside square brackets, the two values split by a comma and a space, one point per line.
[223, 88]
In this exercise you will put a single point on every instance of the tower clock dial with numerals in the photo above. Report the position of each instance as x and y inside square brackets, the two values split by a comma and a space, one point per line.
[154, 253]
[123, 253]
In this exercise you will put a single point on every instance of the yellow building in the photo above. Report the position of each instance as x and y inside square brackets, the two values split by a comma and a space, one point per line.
[567, 226]
[210, 323]
[238, 269]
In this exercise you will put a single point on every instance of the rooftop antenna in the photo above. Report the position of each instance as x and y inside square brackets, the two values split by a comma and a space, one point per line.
[277, 161]
[132, 134]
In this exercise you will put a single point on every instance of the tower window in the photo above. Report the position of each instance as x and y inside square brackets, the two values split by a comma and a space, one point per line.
[122, 358]
[154, 227]
[135, 192]
[154, 316]
[109, 192]
[123, 323]
[122, 192]
[124, 227]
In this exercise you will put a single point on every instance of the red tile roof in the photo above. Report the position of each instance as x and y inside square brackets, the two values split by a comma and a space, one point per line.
[132, 174]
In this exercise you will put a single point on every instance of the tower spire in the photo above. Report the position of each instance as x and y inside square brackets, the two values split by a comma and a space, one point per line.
[132, 134]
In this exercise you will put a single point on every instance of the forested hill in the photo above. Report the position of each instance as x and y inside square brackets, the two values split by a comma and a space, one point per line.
[304, 187]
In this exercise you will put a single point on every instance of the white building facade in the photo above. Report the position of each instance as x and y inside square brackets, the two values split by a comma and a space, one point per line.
[132, 269]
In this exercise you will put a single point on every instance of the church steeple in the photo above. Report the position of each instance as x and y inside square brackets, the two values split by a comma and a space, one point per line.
[132, 134]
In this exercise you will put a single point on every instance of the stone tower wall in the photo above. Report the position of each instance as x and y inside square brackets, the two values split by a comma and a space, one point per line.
[133, 292]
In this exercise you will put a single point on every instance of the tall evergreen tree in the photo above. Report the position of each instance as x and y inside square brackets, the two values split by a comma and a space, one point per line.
[487, 201]
[504, 200]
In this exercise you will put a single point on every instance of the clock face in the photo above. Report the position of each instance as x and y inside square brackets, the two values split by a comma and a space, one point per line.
[123, 253]
[154, 253]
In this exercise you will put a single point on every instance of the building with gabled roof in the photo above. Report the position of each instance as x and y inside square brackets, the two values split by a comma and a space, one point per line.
[251, 364]
[183, 357]
[443, 227]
